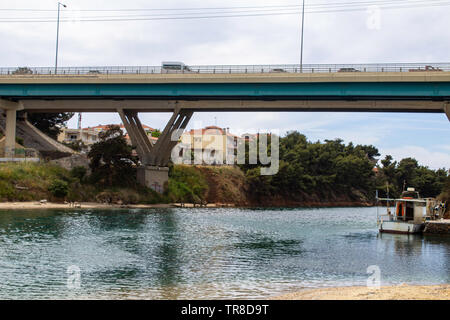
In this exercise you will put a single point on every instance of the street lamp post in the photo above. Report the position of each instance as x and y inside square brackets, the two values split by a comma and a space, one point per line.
[301, 46]
[57, 36]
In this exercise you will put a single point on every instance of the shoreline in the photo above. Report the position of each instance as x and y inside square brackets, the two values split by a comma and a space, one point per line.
[38, 205]
[394, 292]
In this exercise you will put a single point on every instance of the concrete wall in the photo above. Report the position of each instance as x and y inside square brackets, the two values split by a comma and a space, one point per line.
[35, 139]
[437, 227]
[155, 178]
[76, 160]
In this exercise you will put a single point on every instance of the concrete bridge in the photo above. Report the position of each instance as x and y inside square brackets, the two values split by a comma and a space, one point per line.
[130, 90]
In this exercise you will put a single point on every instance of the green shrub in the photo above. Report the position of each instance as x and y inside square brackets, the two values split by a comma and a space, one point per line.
[6, 191]
[187, 184]
[78, 172]
[58, 188]
[20, 141]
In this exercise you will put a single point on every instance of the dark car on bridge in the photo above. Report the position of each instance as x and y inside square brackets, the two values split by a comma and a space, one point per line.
[348, 70]
[277, 70]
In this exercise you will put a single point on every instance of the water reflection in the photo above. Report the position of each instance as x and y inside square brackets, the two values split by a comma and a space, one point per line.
[206, 253]
[168, 252]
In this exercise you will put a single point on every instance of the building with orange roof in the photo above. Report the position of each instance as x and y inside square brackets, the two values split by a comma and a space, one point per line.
[89, 135]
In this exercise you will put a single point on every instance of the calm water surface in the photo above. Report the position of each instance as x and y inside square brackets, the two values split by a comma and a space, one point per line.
[206, 253]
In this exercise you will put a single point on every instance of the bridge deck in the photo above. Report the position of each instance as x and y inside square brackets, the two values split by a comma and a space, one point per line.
[227, 78]
[406, 91]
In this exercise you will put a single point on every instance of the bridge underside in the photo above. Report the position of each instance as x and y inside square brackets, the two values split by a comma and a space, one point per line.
[329, 104]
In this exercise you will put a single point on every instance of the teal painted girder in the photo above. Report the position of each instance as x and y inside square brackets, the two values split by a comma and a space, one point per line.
[251, 90]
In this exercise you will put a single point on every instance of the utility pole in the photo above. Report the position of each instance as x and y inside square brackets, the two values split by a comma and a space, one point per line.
[79, 120]
[57, 36]
[301, 47]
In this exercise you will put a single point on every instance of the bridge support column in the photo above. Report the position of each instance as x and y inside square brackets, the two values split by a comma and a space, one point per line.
[154, 171]
[11, 109]
[137, 134]
[170, 136]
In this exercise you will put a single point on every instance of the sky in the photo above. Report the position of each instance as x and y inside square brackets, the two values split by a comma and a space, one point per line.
[409, 33]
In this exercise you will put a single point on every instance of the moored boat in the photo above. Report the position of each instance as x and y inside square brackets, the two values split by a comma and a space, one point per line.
[410, 213]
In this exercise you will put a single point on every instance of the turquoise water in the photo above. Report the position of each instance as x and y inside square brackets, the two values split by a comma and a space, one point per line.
[206, 253]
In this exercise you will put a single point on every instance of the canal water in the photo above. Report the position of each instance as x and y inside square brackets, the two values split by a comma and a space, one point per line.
[205, 253]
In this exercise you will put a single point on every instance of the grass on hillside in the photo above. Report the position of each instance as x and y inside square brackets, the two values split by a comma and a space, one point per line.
[187, 184]
[29, 181]
[36, 181]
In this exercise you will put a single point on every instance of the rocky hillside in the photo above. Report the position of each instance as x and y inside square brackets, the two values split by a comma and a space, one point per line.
[229, 185]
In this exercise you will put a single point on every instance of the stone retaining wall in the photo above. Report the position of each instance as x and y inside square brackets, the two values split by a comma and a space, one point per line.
[76, 160]
[437, 227]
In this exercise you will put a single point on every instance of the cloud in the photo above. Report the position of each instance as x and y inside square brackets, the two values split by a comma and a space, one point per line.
[433, 157]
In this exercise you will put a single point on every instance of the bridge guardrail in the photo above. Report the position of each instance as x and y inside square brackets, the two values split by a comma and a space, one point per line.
[230, 69]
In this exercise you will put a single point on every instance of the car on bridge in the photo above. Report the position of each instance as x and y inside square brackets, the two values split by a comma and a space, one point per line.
[174, 67]
[277, 70]
[348, 70]
[427, 69]
[22, 70]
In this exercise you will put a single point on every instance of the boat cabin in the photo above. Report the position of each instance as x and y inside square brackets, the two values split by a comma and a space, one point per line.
[409, 207]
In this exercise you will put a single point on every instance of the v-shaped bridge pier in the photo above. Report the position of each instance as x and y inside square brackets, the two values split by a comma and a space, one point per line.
[155, 157]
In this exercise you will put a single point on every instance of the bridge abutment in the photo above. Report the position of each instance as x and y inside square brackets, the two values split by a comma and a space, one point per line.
[447, 110]
[11, 109]
[153, 177]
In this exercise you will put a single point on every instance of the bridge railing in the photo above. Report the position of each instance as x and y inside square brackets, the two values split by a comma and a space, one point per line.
[230, 69]
[19, 153]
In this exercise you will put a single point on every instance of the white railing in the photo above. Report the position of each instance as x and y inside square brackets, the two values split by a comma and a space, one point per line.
[230, 69]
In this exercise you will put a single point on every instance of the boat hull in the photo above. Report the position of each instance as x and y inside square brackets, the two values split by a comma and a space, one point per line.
[401, 227]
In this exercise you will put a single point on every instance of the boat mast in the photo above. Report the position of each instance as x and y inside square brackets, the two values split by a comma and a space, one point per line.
[387, 196]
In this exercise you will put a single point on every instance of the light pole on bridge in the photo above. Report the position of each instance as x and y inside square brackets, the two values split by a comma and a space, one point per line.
[57, 36]
[301, 46]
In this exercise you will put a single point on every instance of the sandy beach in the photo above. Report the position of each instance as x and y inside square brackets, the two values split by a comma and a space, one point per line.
[82, 205]
[401, 292]
[94, 205]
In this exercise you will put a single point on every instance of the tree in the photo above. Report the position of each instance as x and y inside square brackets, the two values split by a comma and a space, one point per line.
[112, 162]
[315, 168]
[76, 145]
[333, 168]
[156, 133]
[389, 168]
[406, 172]
[370, 151]
[50, 123]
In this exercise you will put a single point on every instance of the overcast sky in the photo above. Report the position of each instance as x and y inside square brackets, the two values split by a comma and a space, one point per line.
[418, 34]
